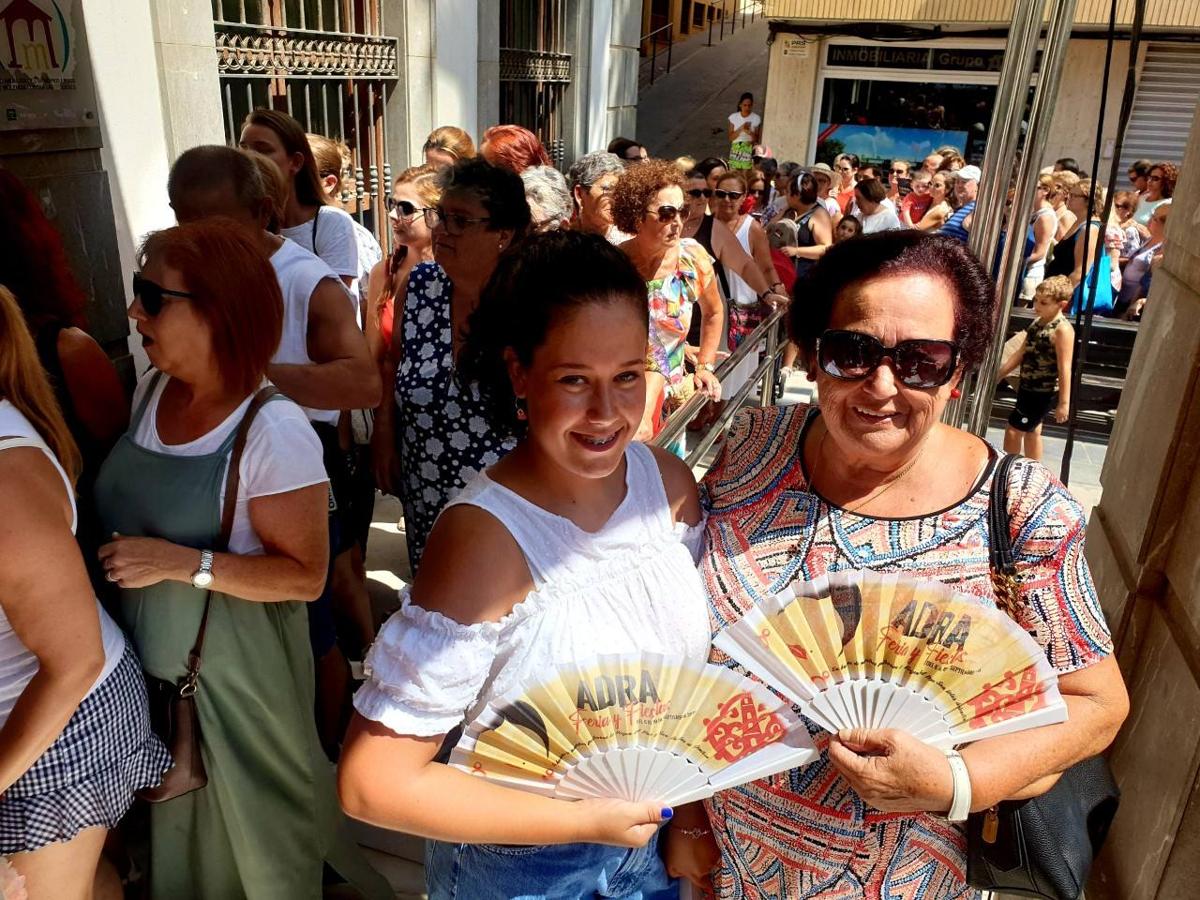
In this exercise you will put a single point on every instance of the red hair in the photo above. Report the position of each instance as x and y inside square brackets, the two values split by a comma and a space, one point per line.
[240, 298]
[33, 263]
[514, 148]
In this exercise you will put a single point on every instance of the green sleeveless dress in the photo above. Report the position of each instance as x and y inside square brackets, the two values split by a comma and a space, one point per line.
[269, 818]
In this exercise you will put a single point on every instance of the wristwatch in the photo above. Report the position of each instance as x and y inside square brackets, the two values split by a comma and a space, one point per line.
[705, 367]
[203, 577]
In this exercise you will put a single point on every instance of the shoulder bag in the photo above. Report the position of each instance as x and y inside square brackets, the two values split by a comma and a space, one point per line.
[1043, 846]
[173, 715]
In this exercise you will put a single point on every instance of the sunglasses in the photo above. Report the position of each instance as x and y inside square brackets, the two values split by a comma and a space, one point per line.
[726, 195]
[150, 295]
[697, 193]
[665, 213]
[454, 224]
[853, 356]
[403, 207]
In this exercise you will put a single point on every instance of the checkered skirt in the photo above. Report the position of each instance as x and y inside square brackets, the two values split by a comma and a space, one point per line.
[87, 777]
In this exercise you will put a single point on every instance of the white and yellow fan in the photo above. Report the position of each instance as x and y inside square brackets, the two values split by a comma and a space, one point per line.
[634, 727]
[863, 649]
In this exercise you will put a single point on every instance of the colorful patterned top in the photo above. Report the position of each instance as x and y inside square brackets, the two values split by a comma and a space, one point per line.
[1039, 364]
[806, 833]
[671, 300]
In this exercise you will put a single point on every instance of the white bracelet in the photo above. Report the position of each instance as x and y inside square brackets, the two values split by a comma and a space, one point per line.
[960, 806]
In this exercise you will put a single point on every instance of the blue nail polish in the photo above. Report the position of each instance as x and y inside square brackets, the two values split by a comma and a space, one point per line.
[667, 812]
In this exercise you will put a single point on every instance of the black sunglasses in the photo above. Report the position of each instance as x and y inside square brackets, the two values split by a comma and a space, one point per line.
[666, 213]
[151, 294]
[727, 195]
[697, 193]
[853, 356]
[403, 207]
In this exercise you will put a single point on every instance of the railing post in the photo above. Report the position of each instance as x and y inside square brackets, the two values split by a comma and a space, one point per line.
[711, 16]
[653, 56]
[670, 44]
[766, 393]
[733, 20]
[743, 2]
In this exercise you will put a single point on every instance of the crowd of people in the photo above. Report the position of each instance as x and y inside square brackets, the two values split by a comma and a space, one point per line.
[501, 370]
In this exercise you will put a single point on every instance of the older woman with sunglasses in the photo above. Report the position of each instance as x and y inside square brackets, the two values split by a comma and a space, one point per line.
[871, 479]
[648, 203]
[217, 499]
[431, 423]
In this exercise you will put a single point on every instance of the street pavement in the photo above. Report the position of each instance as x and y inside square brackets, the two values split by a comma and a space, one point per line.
[686, 112]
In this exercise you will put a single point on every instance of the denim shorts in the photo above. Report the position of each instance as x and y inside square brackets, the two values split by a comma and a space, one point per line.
[548, 872]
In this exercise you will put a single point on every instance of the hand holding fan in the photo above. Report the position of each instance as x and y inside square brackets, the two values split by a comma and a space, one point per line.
[861, 649]
[634, 727]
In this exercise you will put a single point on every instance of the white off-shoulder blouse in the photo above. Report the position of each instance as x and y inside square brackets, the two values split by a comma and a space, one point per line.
[631, 586]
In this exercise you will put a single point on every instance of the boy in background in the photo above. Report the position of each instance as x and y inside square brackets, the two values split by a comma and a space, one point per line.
[1043, 355]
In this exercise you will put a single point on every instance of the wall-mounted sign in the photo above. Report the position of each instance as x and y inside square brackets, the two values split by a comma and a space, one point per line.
[37, 45]
[944, 59]
[796, 47]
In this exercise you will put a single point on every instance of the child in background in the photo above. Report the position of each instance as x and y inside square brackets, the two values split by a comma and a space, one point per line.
[1044, 357]
[916, 203]
[848, 227]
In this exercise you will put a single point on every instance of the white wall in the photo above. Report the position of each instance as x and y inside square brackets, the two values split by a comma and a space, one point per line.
[158, 94]
[456, 63]
[622, 77]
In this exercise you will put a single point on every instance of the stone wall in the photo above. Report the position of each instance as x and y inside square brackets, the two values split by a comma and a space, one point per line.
[1144, 549]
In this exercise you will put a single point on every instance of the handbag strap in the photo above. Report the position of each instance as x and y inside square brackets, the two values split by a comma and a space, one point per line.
[1000, 553]
[229, 506]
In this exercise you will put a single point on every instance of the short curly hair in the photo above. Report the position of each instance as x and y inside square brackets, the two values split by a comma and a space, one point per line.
[905, 252]
[637, 187]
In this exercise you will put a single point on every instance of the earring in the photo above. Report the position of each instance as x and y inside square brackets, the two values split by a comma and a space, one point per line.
[955, 393]
[519, 402]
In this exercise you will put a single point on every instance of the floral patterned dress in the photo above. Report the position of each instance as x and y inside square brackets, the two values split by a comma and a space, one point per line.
[806, 833]
[671, 300]
[443, 435]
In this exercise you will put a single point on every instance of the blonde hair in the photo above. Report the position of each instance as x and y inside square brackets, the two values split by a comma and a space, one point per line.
[451, 140]
[685, 163]
[1057, 287]
[330, 160]
[24, 384]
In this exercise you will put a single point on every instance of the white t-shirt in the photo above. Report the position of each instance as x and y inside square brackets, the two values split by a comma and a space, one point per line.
[883, 219]
[282, 454]
[299, 273]
[369, 253]
[744, 126]
[17, 664]
[336, 241]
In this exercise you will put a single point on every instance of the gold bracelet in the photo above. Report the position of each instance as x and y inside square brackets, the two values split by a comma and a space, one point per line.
[693, 832]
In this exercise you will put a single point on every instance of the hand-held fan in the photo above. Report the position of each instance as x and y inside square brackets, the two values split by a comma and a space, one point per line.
[634, 727]
[862, 649]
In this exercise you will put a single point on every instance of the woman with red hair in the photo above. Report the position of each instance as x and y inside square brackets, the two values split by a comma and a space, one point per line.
[514, 148]
[217, 499]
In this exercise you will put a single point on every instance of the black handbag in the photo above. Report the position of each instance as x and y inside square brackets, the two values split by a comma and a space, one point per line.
[173, 714]
[1043, 846]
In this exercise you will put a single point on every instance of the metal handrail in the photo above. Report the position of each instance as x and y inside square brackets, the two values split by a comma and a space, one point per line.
[767, 335]
[670, 29]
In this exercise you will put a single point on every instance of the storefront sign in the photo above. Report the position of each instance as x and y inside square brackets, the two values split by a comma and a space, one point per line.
[878, 57]
[796, 47]
[945, 59]
[37, 45]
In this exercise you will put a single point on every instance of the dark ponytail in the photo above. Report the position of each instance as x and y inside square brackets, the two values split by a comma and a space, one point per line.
[537, 282]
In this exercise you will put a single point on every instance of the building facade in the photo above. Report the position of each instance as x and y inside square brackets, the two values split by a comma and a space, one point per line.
[899, 78]
[100, 97]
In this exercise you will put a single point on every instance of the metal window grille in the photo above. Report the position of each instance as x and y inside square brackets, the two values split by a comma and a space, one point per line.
[535, 70]
[327, 63]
